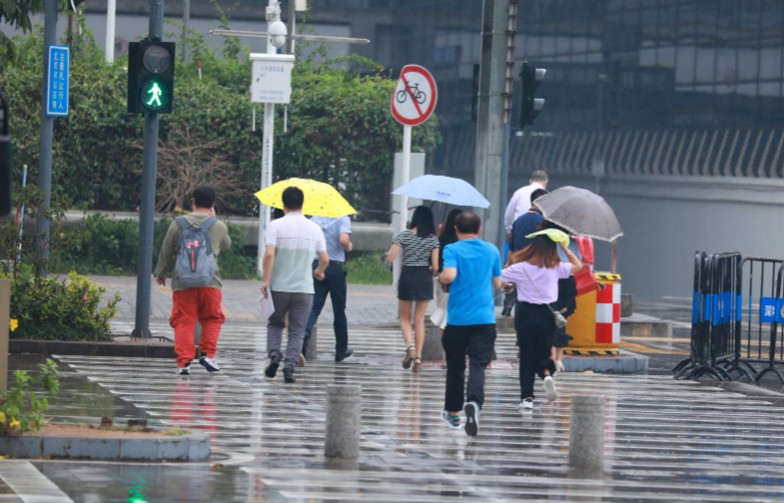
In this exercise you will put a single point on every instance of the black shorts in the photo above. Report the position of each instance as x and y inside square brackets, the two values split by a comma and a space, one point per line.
[415, 283]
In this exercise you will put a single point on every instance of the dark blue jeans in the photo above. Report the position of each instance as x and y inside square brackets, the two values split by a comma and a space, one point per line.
[334, 284]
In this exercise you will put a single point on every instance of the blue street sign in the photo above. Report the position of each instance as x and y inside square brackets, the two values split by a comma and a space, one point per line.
[57, 81]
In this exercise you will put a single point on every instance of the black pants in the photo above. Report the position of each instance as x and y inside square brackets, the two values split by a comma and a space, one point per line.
[534, 326]
[476, 341]
[334, 285]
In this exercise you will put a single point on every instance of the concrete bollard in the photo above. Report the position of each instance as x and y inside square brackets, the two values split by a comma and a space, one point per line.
[312, 350]
[586, 435]
[432, 349]
[344, 412]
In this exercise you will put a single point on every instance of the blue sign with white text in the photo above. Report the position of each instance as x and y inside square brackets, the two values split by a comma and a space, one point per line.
[57, 81]
[770, 309]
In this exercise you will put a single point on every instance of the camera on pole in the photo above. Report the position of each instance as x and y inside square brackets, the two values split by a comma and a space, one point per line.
[150, 76]
[531, 78]
[5, 159]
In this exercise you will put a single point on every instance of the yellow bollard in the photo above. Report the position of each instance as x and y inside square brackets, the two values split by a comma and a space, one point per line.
[596, 323]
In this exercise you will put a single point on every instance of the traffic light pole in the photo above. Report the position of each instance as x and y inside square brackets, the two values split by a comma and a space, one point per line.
[488, 172]
[147, 208]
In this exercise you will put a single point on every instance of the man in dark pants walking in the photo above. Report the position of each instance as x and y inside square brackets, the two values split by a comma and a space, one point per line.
[337, 233]
[472, 270]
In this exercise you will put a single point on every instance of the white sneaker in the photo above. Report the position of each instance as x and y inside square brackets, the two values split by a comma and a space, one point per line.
[549, 388]
[183, 371]
[209, 364]
[527, 404]
[559, 366]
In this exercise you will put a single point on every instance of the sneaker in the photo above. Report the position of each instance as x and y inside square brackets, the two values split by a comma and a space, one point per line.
[272, 369]
[288, 375]
[472, 418]
[183, 371]
[453, 421]
[549, 388]
[527, 404]
[559, 366]
[209, 364]
[345, 354]
[302, 361]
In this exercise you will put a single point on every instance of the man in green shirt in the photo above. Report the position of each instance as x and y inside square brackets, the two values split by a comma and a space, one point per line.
[190, 304]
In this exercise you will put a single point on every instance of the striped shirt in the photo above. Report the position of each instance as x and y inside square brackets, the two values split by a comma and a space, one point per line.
[296, 239]
[416, 250]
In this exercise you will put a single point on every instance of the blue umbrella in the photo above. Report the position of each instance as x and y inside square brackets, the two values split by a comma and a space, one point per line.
[444, 189]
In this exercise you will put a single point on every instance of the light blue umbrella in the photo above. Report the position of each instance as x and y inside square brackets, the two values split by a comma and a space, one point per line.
[444, 189]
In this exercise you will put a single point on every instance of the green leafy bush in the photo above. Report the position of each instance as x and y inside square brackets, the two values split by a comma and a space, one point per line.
[23, 410]
[98, 245]
[105, 246]
[70, 310]
[368, 269]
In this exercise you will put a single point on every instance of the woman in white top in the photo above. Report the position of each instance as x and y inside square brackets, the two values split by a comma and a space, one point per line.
[535, 271]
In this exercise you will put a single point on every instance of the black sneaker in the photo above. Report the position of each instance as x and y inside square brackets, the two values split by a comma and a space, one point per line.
[339, 357]
[272, 369]
[452, 421]
[288, 375]
[183, 371]
[472, 418]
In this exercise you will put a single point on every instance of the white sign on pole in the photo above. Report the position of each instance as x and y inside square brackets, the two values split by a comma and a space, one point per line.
[271, 78]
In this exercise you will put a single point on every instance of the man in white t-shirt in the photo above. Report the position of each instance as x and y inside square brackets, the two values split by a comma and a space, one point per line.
[521, 199]
[292, 241]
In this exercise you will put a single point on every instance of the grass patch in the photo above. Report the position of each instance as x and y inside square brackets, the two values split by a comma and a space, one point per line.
[368, 268]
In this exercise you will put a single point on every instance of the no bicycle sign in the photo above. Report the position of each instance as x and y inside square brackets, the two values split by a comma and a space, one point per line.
[414, 97]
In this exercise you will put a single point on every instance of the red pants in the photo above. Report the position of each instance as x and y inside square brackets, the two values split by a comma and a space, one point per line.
[189, 306]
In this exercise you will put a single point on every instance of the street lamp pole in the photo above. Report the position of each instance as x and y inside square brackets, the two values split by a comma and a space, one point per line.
[276, 32]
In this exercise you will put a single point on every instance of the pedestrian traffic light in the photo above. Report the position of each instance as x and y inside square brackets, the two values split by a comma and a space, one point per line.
[531, 78]
[5, 159]
[150, 76]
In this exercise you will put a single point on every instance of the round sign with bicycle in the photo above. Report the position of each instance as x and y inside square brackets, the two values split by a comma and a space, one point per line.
[414, 97]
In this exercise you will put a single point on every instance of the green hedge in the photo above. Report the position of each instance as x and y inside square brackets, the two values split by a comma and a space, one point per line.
[102, 246]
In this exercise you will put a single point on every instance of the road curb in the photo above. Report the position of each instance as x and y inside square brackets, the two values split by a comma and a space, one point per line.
[87, 348]
[193, 446]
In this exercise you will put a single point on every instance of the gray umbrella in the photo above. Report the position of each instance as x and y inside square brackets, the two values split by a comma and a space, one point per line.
[581, 212]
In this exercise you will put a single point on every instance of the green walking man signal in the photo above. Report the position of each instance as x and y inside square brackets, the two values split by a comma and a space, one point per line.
[154, 92]
[150, 76]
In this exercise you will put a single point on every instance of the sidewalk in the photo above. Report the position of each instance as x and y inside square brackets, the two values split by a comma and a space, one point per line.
[665, 440]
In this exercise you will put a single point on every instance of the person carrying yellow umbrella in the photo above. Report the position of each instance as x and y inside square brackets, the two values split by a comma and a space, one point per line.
[291, 243]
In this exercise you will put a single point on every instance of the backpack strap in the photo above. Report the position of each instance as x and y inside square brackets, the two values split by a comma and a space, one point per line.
[182, 223]
[205, 226]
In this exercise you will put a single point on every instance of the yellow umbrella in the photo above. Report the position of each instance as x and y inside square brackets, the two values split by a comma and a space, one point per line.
[321, 199]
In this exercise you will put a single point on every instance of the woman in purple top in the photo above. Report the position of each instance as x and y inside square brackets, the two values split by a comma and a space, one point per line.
[535, 271]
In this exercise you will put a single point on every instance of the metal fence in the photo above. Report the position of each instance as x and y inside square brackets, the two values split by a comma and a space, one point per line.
[737, 312]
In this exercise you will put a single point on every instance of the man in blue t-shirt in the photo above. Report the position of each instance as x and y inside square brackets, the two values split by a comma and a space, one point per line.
[472, 269]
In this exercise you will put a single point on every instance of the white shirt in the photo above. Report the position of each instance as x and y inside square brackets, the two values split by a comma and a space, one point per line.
[296, 239]
[519, 204]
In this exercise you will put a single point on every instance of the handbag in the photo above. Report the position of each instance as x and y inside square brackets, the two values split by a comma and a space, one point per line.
[585, 281]
[558, 318]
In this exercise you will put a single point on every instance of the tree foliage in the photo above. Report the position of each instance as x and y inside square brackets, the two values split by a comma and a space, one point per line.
[339, 128]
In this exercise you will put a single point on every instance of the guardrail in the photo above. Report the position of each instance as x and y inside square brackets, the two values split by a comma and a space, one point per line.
[734, 300]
